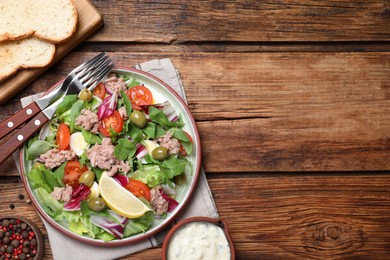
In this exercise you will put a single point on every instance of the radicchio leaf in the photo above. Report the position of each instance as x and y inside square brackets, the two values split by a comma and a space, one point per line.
[78, 195]
[121, 179]
[172, 203]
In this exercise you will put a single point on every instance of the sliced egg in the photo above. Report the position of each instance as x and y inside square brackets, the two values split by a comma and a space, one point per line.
[150, 145]
[77, 143]
[94, 191]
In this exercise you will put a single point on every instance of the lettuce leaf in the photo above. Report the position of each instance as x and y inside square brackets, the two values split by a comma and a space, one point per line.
[138, 225]
[51, 206]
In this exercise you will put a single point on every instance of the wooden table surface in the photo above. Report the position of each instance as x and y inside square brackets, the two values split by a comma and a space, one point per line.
[292, 101]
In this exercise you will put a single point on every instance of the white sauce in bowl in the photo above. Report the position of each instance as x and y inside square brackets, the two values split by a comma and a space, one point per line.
[198, 240]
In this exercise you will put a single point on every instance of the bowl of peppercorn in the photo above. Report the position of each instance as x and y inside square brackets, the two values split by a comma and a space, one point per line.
[20, 239]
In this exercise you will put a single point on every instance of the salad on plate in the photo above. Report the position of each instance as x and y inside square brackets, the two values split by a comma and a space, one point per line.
[111, 163]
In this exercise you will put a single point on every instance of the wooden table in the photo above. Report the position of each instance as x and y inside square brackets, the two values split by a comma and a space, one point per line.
[292, 101]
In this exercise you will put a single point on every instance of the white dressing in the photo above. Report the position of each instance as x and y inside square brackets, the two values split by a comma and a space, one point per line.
[199, 240]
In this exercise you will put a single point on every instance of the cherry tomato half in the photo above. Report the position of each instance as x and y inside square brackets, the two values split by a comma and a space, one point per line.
[72, 173]
[100, 91]
[139, 189]
[139, 96]
[63, 137]
[115, 121]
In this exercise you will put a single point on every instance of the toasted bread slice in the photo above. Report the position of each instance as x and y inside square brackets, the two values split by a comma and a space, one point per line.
[50, 20]
[25, 53]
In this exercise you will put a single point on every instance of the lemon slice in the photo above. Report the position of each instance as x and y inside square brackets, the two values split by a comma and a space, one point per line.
[120, 200]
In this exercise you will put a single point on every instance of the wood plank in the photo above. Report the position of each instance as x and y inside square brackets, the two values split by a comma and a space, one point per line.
[285, 216]
[279, 111]
[243, 21]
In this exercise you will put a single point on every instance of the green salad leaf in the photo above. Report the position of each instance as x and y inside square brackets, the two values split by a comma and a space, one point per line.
[39, 147]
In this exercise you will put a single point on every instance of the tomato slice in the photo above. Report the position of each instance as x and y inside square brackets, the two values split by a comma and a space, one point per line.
[139, 189]
[100, 91]
[63, 137]
[183, 151]
[139, 96]
[115, 121]
[72, 173]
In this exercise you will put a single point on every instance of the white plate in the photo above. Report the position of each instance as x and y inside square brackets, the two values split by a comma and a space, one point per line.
[161, 92]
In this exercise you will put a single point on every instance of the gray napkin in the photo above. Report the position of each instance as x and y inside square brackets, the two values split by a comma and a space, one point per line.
[201, 204]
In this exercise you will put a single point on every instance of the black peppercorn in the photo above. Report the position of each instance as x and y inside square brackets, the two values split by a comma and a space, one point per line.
[12, 221]
[2, 249]
[6, 240]
[2, 233]
[5, 223]
[15, 243]
[26, 250]
[23, 226]
[22, 256]
[11, 206]
[10, 249]
[33, 241]
[21, 196]
[24, 234]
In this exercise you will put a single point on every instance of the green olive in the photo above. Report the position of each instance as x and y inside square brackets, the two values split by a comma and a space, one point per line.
[87, 178]
[138, 119]
[160, 153]
[85, 95]
[96, 204]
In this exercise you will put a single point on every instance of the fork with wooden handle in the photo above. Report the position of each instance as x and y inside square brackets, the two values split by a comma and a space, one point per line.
[87, 75]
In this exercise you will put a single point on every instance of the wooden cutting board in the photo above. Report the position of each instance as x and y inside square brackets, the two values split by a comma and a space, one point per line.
[89, 20]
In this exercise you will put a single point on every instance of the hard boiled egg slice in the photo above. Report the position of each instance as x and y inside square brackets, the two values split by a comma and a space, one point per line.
[150, 145]
[94, 191]
[77, 143]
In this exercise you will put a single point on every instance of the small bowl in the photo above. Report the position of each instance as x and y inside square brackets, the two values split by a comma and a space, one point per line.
[40, 245]
[212, 221]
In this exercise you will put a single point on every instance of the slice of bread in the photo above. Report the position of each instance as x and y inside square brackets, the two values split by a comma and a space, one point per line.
[25, 53]
[50, 20]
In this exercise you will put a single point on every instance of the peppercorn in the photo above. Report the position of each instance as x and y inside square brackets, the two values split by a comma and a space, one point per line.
[7, 234]
[5, 223]
[33, 242]
[2, 249]
[12, 221]
[21, 196]
[22, 256]
[23, 226]
[2, 233]
[6, 240]
[25, 234]
[11, 206]
[10, 249]
[28, 201]
[26, 243]
[26, 250]
[15, 243]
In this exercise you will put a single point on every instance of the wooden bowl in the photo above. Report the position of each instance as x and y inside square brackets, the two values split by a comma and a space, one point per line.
[217, 222]
[40, 245]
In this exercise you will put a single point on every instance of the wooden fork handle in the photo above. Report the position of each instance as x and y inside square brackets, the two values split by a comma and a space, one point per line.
[19, 118]
[17, 140]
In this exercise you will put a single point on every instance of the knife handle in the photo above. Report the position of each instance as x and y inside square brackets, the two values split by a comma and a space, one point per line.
[17, 140]
[19, 118]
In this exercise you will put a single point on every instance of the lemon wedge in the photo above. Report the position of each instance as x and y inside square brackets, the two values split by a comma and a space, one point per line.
[120, 200]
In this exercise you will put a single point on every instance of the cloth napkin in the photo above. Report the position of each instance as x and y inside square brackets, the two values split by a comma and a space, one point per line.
[201, 204]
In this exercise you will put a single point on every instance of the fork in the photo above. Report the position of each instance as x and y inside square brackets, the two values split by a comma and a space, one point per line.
[87, 75]
[34, 108]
